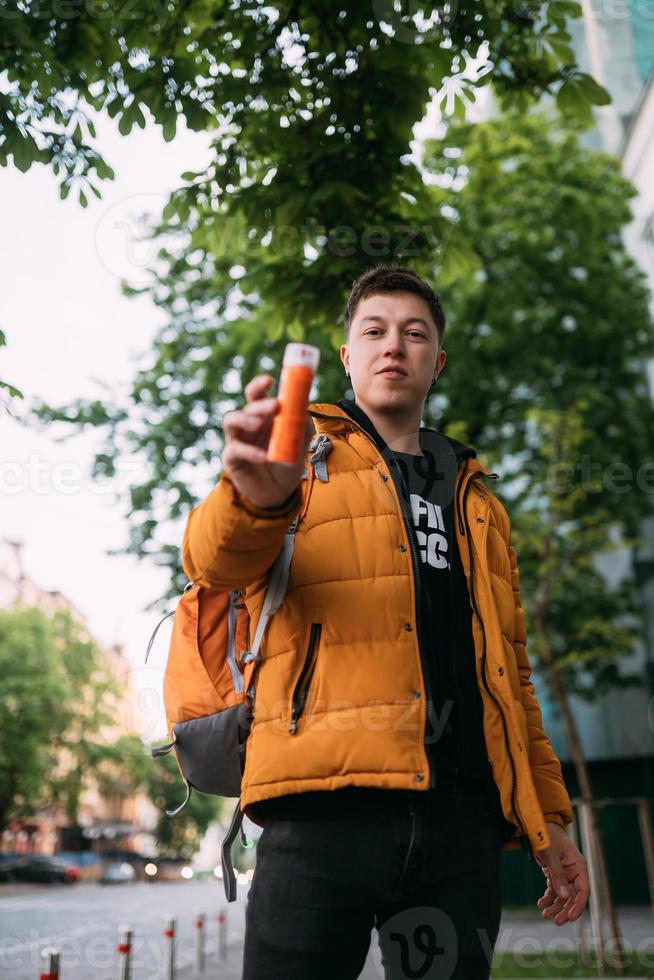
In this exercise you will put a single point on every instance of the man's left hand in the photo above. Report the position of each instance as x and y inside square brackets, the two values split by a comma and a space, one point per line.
[564, 867]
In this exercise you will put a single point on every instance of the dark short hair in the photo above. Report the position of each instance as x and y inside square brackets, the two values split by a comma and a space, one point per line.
[393, 278]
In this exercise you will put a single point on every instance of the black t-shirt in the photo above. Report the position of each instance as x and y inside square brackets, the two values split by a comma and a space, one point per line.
[428, 486]
[456, 736]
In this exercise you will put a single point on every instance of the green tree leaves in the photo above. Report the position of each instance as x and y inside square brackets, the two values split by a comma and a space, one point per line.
[34, 707]
[179, 836]
[546, 342]
[59, 707]
[222, 68]
[578, 93]
[132, 115]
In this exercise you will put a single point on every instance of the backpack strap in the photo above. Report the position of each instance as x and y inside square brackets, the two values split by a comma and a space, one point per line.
[154, 633]
[189, 585]
[229, 881]
[275, 592]
[281, 569]
[320, 447]
[178, 809]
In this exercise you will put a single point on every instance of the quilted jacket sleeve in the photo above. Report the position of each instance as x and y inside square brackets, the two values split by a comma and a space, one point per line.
[543, 761]
[229, 542]
[544, 764]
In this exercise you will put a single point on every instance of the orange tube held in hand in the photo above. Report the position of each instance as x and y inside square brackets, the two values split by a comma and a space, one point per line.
[287, 438]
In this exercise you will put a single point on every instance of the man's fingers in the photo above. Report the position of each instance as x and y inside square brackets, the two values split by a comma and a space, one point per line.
[251, 418]
[577, 906]
[262, 406]
[554, 906]
[567, 883]
[250, 423]
[237, 453]
[257, 386]
[583, 890]
[563, 910]
[547, 898]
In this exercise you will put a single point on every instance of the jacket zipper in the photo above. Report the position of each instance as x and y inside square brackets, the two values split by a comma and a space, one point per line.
[417, 571]
[302, 684]
[417, 574]
[473, 602]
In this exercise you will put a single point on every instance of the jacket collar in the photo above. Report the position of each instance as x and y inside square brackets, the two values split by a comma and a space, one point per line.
[341, 413]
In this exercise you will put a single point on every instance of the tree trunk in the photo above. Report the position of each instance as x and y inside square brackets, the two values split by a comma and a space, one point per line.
[581, 769]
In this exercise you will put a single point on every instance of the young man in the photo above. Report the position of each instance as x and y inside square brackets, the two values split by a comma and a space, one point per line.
[396, 744]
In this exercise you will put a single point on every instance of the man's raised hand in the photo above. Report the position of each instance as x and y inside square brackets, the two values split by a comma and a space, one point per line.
[247, 434]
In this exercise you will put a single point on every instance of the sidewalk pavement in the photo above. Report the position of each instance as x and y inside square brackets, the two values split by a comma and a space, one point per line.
[521, 931]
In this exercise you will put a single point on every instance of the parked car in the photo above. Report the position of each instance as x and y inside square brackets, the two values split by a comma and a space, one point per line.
[8, 863]
[43, 868]
[118, 873]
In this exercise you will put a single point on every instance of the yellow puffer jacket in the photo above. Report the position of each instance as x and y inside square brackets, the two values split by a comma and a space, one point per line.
[346, 636]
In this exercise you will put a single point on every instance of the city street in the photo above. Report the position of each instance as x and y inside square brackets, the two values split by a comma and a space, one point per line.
[82, 921]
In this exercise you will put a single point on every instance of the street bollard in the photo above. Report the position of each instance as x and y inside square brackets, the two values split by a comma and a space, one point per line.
[222, 934]
[49, 964]
[169, 948]
[199, 942]
[124, 950]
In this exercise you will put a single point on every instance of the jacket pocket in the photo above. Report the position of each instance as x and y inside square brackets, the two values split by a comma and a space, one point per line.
[301, 686]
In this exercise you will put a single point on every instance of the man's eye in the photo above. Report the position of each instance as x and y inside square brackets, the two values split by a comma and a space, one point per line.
[415, 333]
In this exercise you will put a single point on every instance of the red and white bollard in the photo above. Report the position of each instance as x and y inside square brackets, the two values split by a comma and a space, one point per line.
[49, 968]
[124, 950]
[199, 942]
[169, 948]
[222, 934]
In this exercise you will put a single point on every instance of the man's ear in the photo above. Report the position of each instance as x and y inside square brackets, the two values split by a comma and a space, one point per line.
[345, 356]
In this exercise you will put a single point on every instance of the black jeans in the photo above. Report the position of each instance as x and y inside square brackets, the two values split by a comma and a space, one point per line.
[424, 870]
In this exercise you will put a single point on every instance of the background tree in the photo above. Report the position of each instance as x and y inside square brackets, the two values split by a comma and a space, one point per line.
[537, 265]
[179, 836]
[123, 766]
[324, 75]
[553, 323]
[91, 713]
[59, 704]
[34, 700]
[550, 319]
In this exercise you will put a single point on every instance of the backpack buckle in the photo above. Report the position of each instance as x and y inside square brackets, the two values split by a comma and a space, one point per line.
[321, 446]
[247, 655]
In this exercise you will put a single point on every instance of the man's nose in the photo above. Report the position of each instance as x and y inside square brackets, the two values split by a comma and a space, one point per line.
[394, 345]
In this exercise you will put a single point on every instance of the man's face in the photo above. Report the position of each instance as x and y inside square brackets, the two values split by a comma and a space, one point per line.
[392, 328]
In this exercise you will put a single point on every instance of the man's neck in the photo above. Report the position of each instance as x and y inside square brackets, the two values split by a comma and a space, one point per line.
[400, 434]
